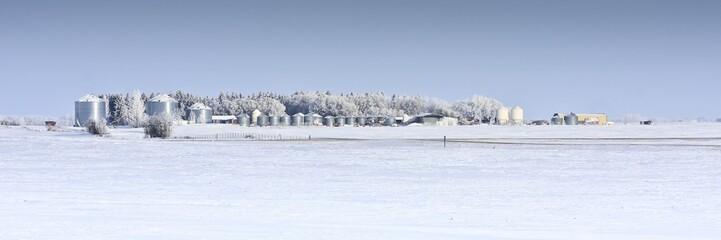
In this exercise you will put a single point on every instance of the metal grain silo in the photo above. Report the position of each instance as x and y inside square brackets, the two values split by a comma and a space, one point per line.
[262, 120]
[161, 104]
[517, 115]
[89, 108]
[297, 119]
[317, 119]
[199, 113]
[273, 120]
[556, 119]
[502, 116]
[284, 120]
[309, 119]
[339, 121]
[243, 120]
[571, 119]
[328, 121]
[361, 121]
[389, 121]
[350, 121]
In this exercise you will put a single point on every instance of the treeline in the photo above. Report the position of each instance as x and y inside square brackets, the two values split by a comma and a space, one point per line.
[125, 109]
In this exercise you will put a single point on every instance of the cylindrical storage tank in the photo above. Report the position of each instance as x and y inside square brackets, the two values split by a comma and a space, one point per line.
[161, 104]
[285, 120]
[254, 116]
[328, 121]
[389, 121]
[361, 121]
[350, 121]
[317, 119]
[502, 116]
[273, 120]
[297, 119]
[517, 115]
[89, 108]
[571, 119]
[243, 120]
[556, 120]
[199, 113]
[309, 119]
[339, 121]
[261, 121]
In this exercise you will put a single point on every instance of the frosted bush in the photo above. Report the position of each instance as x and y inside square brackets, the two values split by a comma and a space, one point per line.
[96, 127]
[159, 126]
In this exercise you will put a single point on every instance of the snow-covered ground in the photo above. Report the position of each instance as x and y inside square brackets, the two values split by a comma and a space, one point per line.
[489, 182]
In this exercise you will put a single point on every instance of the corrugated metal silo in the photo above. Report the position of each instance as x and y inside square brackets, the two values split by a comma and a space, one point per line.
[350, 121]
[262, 120]
[556, 119]
[243, 120]
[317, 119]
[361, 121]
[517, 115]
[339, 121]
[161, 104]
[89, 108]
[571, 119]
[309, 119]
[328, 121]
[273, 120]
[297, 119]
[389, 121]
[199, 113]
[285, 120]
[502, 116]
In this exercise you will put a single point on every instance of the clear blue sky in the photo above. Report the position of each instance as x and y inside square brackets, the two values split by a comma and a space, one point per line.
[653, 58]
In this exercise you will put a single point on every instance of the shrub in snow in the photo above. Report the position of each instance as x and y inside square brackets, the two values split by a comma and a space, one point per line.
[159, 126]
[96, 128]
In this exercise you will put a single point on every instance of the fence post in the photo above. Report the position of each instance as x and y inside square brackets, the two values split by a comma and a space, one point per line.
[444, 141]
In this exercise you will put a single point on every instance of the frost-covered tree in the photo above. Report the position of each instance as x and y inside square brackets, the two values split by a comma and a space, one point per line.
[372, 104]
[270, 106]
[133, 111]
[477, 107]
[438, 106]
[410, 105]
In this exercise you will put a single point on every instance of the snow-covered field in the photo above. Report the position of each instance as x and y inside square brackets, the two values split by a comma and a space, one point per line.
[489, 182]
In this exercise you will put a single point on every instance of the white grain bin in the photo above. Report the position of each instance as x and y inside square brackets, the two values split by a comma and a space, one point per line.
[243, 120]
[261, 120]
[350, 120]
[273, 120]
[199, 113]
[284, 120]
[297, 119]
[339, 121]
[517, 115]
[361, 121]
[254, 116]
[309, 119]
[89, 108]
[557, 119]
[502, 116]
[571, 119]
[328, 121]
[161, 104]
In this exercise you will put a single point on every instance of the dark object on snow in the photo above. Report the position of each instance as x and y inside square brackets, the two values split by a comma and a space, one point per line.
[50, 123]
[540, 122]
[648, 122]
